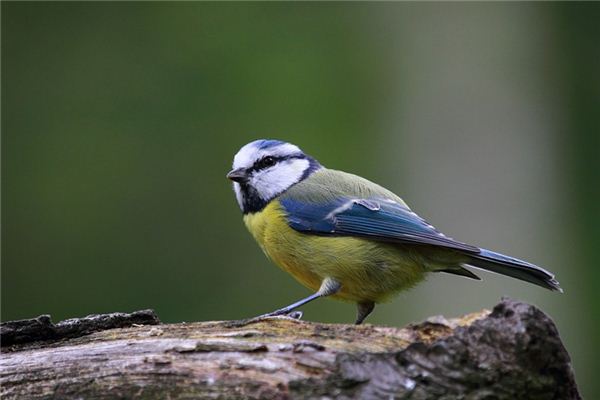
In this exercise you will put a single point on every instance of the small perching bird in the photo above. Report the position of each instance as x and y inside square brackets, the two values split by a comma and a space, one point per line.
[345, 237]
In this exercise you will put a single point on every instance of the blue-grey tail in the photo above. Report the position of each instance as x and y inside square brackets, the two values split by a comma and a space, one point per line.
[513, 267]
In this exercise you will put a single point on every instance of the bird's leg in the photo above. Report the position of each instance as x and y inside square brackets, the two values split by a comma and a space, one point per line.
[288, 309]
[363, 310]
[329, 287]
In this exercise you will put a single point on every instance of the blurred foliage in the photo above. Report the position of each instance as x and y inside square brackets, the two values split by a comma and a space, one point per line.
[119, 122]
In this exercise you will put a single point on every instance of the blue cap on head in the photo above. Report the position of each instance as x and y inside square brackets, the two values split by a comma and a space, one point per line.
[266, 143]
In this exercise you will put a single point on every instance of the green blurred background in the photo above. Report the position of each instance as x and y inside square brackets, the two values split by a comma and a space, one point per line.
[119, 122]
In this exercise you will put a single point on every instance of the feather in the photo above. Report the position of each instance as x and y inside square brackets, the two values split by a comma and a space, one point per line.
[335, 203]
[460, 272]
[360, 209]
[513, 267]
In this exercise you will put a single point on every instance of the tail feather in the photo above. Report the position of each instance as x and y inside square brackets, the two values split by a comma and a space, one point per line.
[513, 267]
[460, 272]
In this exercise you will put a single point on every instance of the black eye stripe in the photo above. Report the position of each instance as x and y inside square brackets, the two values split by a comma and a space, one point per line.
[265, 162]
[269, 161]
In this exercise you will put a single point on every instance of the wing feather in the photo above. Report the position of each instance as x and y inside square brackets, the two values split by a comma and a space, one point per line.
[379, 216]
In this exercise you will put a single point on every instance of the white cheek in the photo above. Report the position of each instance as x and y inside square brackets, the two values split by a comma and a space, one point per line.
[238, 195]
[274, 181]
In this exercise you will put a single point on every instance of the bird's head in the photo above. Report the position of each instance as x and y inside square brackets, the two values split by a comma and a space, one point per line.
[264, 169]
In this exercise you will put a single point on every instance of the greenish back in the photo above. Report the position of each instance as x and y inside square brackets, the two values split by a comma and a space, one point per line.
[328, 185]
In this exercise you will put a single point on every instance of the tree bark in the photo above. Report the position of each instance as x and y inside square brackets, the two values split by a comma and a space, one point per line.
[512, 352]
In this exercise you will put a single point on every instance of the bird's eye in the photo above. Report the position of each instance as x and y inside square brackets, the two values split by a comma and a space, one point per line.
[266, 162]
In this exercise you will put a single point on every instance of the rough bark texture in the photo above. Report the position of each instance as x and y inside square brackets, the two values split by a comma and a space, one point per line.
[513, 352]
[42, 328]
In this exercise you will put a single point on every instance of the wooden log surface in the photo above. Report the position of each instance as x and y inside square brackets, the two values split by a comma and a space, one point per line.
[512, 352]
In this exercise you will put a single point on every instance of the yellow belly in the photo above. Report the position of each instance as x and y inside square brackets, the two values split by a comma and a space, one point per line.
[367, 270]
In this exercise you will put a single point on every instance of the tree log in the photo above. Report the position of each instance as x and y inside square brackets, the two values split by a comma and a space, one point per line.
[512, 352]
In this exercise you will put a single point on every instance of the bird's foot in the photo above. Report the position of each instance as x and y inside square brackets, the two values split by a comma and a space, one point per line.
[294, 315]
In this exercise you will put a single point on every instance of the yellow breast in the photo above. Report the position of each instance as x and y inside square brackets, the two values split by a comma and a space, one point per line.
[281, 244]
[367, 270]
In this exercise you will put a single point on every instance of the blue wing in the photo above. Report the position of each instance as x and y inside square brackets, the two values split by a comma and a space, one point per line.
[373, 218]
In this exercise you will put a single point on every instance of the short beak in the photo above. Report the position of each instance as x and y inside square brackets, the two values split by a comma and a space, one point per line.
[237, 175]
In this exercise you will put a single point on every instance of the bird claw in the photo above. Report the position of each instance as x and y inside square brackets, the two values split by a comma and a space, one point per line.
[297, 315]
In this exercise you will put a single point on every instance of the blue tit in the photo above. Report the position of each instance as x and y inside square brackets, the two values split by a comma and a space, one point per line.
[345, 237]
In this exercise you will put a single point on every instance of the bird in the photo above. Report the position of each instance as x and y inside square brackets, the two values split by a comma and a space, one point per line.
[345, 237]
